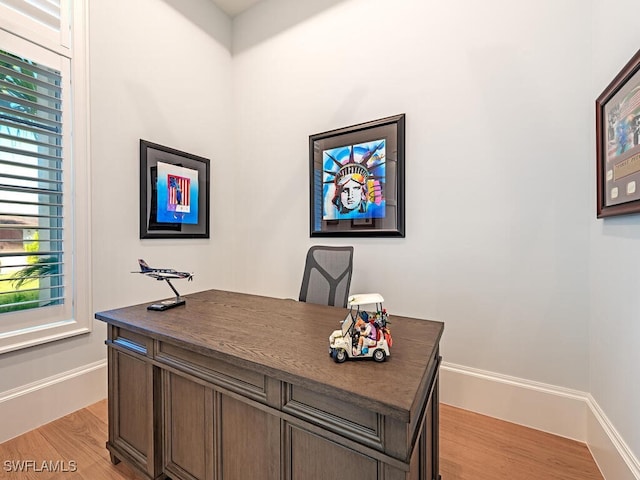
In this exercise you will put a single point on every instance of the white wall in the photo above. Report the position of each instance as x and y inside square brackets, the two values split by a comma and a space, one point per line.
[614, 251]
[161, 71]
[497, 158]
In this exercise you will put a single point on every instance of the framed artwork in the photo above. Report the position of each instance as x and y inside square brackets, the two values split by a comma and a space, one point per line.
[618, 143]
[174, 193]
[356, 177]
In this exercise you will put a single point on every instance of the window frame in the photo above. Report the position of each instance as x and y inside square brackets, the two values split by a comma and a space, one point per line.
[25, 37]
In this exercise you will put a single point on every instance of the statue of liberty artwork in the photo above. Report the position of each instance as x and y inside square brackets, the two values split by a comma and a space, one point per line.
[353, 181]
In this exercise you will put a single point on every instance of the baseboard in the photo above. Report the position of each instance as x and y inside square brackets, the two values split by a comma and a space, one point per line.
[611, 453]
[548, 408]
[568, 413]
[30, 406]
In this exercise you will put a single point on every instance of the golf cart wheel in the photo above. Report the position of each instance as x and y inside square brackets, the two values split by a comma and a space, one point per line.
[379, 355]
[339, 355]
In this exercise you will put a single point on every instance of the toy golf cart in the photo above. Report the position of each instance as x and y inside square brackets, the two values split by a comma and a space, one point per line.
[364, 333]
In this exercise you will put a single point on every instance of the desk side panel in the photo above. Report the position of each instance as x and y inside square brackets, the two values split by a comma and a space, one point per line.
[133, 412]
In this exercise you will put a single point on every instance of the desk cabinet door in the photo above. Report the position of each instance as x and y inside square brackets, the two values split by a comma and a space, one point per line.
[211, 435]
[189, 425]
[248, 441]
[311, 457]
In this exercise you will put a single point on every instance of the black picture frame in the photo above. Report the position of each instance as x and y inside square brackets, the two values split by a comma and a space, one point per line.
[356, 178]
[163, 213]
[618, 143]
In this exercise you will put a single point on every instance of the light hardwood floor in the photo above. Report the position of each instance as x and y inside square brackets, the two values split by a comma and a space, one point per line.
[473, 447]
[476, 447]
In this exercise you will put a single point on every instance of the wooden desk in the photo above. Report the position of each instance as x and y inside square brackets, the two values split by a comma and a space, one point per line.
[234, 387]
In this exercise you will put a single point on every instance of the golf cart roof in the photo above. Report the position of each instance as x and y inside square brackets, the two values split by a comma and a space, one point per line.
[365, 299]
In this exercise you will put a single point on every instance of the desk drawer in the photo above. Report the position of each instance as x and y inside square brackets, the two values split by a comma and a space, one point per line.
[212, 370]
[345, 418]
[134, 342]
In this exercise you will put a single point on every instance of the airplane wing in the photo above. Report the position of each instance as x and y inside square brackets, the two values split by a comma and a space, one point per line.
[166, 275]
[154, 275]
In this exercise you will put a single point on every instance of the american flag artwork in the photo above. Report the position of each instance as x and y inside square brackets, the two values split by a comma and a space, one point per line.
[179, 194]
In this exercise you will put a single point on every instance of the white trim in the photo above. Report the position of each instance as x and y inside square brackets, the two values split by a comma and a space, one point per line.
[82, 267]
[27, 407]
[18, 24]
[556, 410]
[28, 337]
[65, 24]
[561, 411]
[611, 453]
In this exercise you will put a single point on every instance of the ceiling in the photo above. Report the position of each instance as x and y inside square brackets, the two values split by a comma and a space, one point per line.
[234, 7]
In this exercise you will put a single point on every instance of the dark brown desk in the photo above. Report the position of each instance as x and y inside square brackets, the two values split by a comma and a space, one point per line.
[234, 387]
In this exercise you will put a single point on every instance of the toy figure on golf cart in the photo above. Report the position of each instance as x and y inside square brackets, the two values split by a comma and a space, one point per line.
[364, 333]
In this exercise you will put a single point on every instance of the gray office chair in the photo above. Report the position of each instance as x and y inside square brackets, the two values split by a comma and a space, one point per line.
[327, 275]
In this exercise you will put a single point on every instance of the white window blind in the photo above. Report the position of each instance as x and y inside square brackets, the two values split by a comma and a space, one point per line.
[31, 185]
[43, 22]
[45, 12]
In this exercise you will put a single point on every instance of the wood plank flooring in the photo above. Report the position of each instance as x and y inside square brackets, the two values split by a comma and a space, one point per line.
[477, 447]
[76, 441]
[472, 447]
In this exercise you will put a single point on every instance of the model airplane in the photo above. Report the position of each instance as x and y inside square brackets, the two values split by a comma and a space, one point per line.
[162, 273]
[166, 274]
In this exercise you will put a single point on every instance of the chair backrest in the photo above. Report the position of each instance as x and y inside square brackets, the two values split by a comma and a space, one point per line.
[327, 275]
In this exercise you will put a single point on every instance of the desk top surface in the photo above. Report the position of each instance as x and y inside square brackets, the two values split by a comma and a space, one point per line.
[289, 340]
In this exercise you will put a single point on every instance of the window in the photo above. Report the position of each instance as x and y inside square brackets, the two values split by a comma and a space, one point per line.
[31, 185]
[44, 242]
